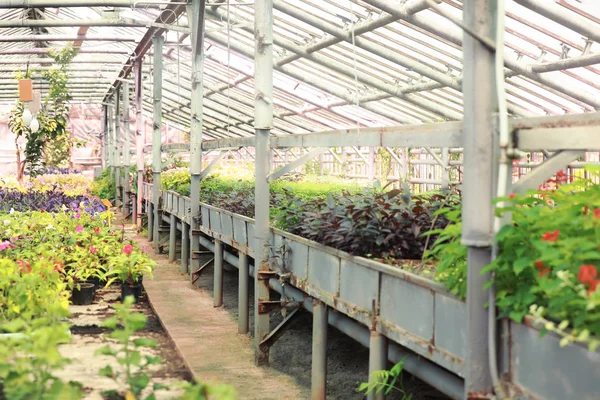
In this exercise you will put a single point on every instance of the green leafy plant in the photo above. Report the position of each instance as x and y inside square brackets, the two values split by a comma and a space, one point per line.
[130, 265]
[134, 364]
[52, 117]
[386, 382]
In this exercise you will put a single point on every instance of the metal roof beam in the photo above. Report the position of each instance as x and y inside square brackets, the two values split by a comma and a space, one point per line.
[45, 51]
[71, 3]
[63, 38]
[60, 23]
[177, 8]
[550, 10]
[455, 36]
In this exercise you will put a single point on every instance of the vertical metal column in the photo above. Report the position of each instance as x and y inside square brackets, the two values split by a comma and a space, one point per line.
[243, 299]
[172, 237]
[319, 351]
[111, 140]
[378, 356]
[196, 18]
[117, 143]
[218, 274]
[126, 148]
[185, 247]
[158, 42]
[140, 138]
[150, 219]
[445, 168]
[371, 167]
[263, 120]
[479, 182]
[104, 137]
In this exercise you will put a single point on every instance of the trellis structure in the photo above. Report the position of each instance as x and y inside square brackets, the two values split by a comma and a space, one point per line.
[320, 74]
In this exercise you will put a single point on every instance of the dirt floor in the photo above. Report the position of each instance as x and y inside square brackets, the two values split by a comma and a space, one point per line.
[88, 336]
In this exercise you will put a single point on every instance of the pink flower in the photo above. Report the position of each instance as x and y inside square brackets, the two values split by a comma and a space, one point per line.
[93, 250]
[97, 231]
[512, 195]
[6, 245]
[79, 228]
[128, 249]
[77, 216]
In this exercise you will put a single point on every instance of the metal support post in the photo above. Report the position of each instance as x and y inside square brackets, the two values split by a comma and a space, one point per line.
[263, 121]
[319, 351]
[111, 139]
[196, 21]
[158, 42]
[378, 356]
[371, 165]
[218, 274]
[140, 138]
[117, 145]
[480, 176]
[172, 237]
[126, 149]
[243, 299]
[185, 247]
[150, 221]
[445, 168]
[104, 137]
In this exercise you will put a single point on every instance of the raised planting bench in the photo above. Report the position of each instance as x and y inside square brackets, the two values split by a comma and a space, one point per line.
[412, 311]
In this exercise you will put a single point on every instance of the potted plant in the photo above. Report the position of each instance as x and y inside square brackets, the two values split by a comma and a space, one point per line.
[129, 267]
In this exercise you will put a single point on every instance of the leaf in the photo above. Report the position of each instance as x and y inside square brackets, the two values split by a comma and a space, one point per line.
[144, 342]
[107, 371]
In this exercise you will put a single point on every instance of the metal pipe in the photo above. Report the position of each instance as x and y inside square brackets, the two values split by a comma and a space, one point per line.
[45, 51]
[59, 23]
[150, 212]
[574, 62]
[185, 247]
[479, 183]
[319, 351]
[140, 138]
[416, 6]
[243, 298]
[117, 147]
[126, 149]
[218, 275]
[67, 3]
[263, 122]
[196, 124]
[105, 160]
[172, 237]
[455, 36]
[63, 38]
[156, 135]
[378, 358]
[558, 14]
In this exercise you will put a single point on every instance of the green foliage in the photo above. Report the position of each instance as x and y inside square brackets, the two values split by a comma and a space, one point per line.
[177, 180]
[386, 382]
[105, 185]
[52, 117]
[134, 365]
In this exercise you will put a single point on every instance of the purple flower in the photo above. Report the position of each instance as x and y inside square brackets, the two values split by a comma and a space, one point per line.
[78, 228]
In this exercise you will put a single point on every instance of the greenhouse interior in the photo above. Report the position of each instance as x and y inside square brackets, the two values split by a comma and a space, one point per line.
[232, 199]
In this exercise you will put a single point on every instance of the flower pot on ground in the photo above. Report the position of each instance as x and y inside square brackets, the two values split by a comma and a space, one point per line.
[129, 267]
[134, 290]
[83, 294]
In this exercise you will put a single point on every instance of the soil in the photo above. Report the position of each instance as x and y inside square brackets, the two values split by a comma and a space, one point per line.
[348, 360]
[88, 335]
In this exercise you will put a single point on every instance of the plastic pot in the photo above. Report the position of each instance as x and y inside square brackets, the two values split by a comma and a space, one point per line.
[84, 295]
[131, 290]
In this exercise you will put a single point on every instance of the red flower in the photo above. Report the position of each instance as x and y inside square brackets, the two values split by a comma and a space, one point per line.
[58, 266]
[596, 212]
[551, 236]
[97, 231]
[24, 266]
[539, 265]
[561, 177]
[127, 249]
[592, 287]
[587, 274]
[543, 272]
[512, 195]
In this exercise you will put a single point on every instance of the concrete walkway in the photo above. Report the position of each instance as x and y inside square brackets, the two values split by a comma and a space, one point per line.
[207, 337]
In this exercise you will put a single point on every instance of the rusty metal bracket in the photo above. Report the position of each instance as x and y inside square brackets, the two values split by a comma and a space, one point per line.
[196, 274]
[276, 333]
[266, 275]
